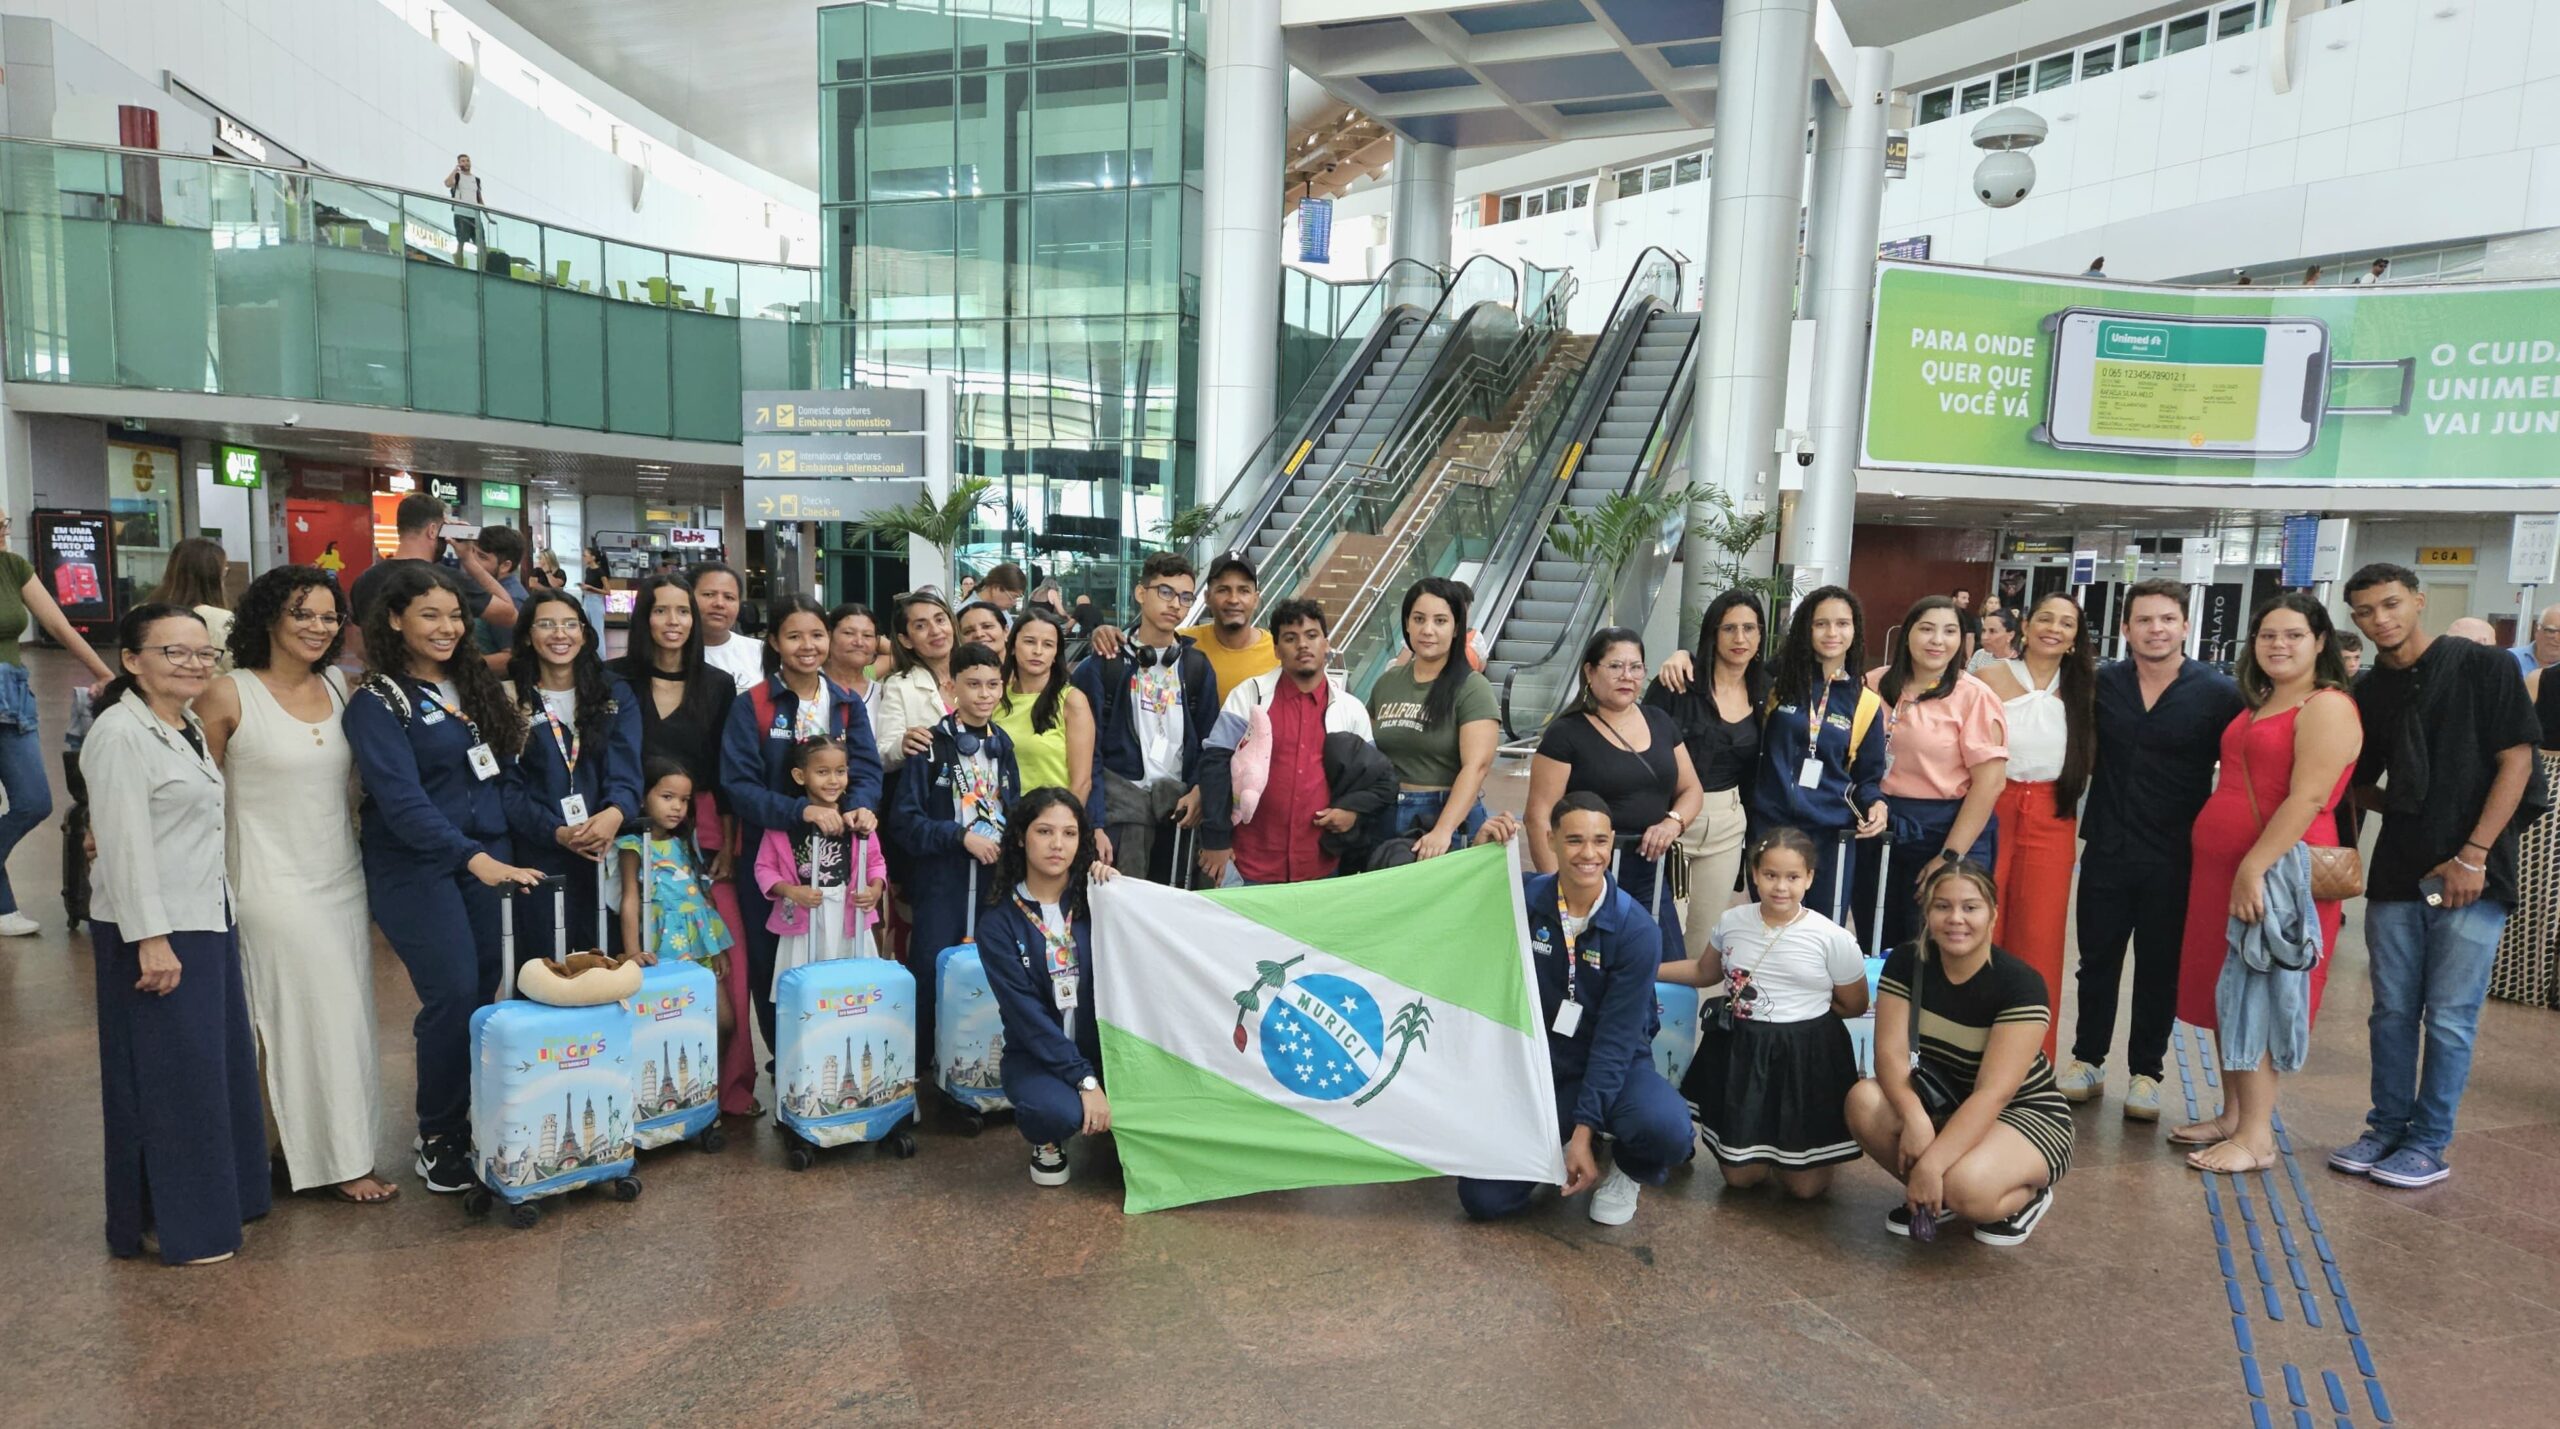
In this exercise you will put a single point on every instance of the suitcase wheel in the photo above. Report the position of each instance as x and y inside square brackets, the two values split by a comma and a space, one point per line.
[523, 1215]
[626, 1188]
[901, 1144]
[801, 1156]
[972, 1121]
[476, 1202]
[712, 1138]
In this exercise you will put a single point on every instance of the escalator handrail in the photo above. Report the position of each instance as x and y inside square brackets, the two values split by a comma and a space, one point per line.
[1629, 315]
[1657, 456]
[1451, 342]
[1266, 457]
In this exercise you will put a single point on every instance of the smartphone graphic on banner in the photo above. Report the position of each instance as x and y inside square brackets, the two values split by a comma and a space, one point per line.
[2242, 388]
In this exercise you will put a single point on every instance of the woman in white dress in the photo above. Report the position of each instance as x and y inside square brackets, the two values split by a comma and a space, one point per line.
[306, 940]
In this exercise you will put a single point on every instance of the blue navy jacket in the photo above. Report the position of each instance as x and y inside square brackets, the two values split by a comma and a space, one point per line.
[534, 785]
[421, 797]
[1115, 727]
[1619, 951]
[922, 817]
[1849, 774]
[1015, 955]
[755, 758]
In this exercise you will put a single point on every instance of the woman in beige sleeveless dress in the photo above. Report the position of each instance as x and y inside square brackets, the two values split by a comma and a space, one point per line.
[306, 941]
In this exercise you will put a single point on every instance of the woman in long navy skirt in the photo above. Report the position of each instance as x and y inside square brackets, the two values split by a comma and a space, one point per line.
[177, 1063]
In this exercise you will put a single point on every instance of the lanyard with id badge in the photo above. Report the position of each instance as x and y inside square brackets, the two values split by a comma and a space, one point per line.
[1058, 958]
[484, 760]
[1569, 1012]
[573, 809]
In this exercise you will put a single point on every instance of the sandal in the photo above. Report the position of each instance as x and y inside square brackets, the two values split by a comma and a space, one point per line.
[2181, 1137]
[2196, 1159]
[390, 1191]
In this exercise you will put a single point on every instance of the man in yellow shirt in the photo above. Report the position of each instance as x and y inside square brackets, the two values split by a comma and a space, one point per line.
[1237, 648]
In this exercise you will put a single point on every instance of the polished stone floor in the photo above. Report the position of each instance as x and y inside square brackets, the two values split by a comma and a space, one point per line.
[949, 1290]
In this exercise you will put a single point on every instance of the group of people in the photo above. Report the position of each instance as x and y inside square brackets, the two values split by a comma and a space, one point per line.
[921, 775]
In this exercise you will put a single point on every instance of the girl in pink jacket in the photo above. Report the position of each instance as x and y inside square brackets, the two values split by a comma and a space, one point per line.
[825, 888]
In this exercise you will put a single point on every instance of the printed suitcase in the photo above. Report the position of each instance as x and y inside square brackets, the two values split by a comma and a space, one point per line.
[968, 1032]
[844, 1071]
[675, 1032]
[552, 1107]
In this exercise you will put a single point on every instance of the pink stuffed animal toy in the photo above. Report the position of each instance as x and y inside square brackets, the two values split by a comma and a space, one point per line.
[1251, 770]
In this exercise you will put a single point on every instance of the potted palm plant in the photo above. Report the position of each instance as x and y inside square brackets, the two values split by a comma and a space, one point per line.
[938, 523]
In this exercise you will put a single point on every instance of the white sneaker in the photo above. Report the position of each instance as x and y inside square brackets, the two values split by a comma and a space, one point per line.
[1614, 1202]
[2142, 1099]
[1048, 1165]
[18, 925]
[2082, 1082]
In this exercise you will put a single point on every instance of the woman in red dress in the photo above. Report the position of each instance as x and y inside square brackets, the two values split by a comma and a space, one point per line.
[2285, 763]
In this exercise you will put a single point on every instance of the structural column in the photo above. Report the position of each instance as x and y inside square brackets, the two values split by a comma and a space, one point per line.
[1849, 175]
[1752, 211]
[1240, 224]
[1423, 189]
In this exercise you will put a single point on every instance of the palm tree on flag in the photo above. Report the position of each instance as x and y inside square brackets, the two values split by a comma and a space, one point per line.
[1412, 1024]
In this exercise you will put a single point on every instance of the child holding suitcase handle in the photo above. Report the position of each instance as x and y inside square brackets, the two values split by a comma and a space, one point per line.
[666, 905]
[822, 902]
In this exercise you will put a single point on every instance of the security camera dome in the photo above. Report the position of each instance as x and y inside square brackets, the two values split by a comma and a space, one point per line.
[2011, 127]
[2003, 179]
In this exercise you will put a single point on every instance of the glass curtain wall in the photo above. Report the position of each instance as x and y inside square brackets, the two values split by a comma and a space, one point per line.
[1012, 192]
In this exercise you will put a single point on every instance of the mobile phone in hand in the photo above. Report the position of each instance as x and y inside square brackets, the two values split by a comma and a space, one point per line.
[2431, 888]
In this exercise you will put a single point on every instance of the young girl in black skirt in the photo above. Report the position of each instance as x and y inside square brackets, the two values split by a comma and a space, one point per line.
[1775, 1066]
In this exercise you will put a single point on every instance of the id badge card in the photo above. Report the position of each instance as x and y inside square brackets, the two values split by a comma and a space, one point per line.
[1062, 990]
[484, 762]
[1568, 1018]
[573, 810]
[1809, 774]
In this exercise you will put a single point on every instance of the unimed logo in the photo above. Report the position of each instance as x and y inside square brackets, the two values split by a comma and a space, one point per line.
[2132, 340]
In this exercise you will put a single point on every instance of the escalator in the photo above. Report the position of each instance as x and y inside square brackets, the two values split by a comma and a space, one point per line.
[1386, 380]
[1535, 599]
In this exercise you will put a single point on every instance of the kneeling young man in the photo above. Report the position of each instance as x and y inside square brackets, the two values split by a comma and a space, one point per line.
[1596, 951]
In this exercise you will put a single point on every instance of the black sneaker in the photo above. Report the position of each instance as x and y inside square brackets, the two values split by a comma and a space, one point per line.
[2016, 1228]
[1898, 1220]
[445, 1165]
[1048, 1165]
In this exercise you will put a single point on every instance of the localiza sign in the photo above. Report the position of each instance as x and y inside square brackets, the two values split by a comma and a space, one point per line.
[1979, 371]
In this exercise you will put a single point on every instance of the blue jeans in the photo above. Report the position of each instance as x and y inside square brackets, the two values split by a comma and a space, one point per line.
[22, 773]
[2431, 968]
[1418, 810]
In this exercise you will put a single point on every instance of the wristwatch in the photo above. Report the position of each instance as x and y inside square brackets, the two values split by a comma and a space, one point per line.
[1089, 1084]
[1950, 855]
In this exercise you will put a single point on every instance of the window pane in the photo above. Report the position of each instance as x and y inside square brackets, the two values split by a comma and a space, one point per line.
[1083, 29]
[1079, 253]
[2012, 84]
[2186, 32]
[995, 132]
[1533, 205]
[2238, 20]
[1080, 128]
[1630, 183]
[1657, 177]
[1155, 252]
[1977, 96]
[994, 236]
[840, 43]
[1002, 38]
[1195, 120]
[1582, 195]
[1511, 205]
[2053, 73]
[1555, 198]
[840, 143]
[907, 40]
[2101, 60]
[1937, 105]
[909, 140]
[1155, 125]
[1689, 170]
[906, 256]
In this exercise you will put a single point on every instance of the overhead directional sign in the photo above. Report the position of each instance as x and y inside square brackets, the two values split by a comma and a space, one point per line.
[826, 455]
[825, 500]
[860, 409]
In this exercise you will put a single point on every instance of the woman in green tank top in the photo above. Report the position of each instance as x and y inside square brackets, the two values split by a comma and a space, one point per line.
[1051, 724]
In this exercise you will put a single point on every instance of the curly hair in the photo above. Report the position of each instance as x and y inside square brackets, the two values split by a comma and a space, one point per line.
[1013, 862]
[268, 600]
[484, 696]
[594, 686]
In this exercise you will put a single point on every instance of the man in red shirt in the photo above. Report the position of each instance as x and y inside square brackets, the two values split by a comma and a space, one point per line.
[1283, 784]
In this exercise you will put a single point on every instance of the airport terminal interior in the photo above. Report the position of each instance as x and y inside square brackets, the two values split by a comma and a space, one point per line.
[1599, 308]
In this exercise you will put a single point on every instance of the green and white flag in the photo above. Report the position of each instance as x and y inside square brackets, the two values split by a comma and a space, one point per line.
[1351, 1030]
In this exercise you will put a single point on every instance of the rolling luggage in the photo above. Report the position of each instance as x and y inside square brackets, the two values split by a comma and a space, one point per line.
[552, 1104]
[844, 1070]
[968, 1032]
[1862, 1029]
[675, 1034]
[1676, 1030]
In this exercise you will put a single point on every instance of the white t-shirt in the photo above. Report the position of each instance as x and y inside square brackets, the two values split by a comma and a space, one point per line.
[810, 719]
[741, 657]
[563, 705]
[1155, 702]
[1791, 970]
[466, 188]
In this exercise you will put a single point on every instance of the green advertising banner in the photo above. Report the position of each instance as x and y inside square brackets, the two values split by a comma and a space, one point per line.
[2011, 374]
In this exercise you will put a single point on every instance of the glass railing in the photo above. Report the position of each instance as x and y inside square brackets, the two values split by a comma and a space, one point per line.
[138, 269]
[1258, 480]
[1535, 689]
[1465, 499]
[1315, 311]
[1652, 286]
[1477, 308]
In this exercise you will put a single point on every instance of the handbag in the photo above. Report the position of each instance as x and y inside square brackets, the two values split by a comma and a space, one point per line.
[2337, 873]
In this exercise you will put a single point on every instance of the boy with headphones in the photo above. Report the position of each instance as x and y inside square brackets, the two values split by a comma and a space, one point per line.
[1153, 704]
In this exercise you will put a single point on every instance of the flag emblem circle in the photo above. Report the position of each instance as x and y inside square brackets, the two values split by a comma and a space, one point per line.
[1320, 1038]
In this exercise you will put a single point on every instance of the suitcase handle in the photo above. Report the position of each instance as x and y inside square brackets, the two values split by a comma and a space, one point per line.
[507, 896]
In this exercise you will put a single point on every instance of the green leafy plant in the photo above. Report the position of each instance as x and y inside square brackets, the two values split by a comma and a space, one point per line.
[939, 524]
[1602, 536]
[1192, 525]
[1732, 535]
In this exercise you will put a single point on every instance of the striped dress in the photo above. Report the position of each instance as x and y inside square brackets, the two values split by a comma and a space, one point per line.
[1954, 1026]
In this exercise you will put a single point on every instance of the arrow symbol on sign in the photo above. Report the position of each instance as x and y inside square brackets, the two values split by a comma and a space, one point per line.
[764, 506]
